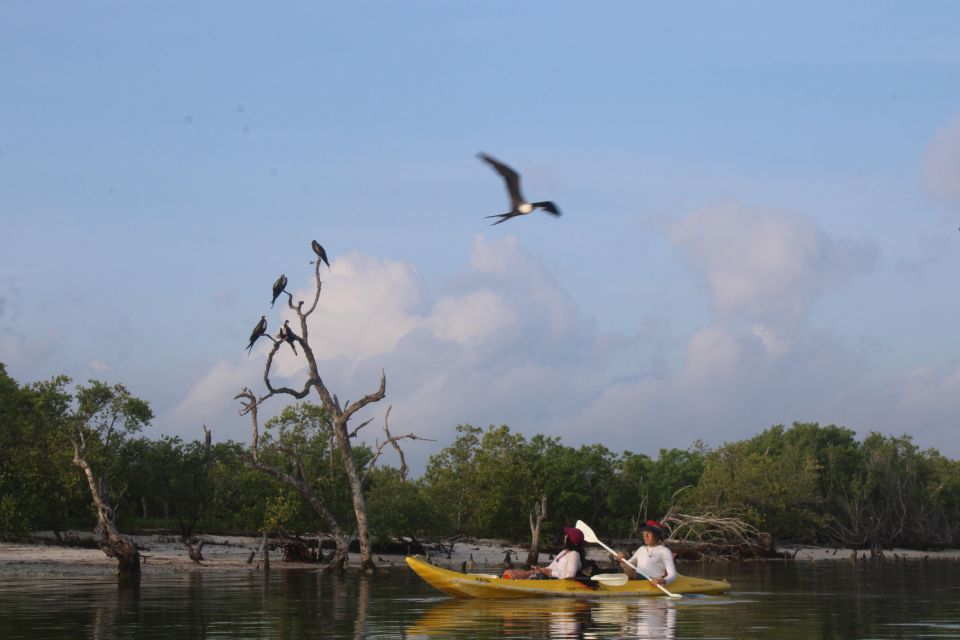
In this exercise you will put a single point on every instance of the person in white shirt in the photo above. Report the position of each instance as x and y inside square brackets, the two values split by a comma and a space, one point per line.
[653, 559]
[565, 564]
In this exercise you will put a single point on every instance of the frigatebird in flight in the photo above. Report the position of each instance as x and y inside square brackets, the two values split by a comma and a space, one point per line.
[518, 206]
[278, 288]
[258, 331]
[321, 254]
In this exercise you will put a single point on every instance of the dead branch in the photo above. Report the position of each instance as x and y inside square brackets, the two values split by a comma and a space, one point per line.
[715, 536]
[376, 396]
[353, 434]
[395, 442]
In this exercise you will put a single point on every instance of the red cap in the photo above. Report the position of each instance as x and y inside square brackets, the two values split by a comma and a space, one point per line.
[574, 535]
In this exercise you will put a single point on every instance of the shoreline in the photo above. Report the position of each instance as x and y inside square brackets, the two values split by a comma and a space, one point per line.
[230, 553]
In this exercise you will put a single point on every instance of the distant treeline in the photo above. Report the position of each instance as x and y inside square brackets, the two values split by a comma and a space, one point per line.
[805, 483]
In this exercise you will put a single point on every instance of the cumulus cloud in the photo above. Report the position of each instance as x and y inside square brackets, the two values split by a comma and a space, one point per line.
[941, 167]
[209, 401]
[765, 267]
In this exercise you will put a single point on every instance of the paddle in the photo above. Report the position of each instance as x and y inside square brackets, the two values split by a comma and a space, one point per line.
[590, 536]
[611, 579]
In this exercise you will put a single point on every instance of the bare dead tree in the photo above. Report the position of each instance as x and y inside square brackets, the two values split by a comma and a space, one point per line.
[391, 440]
[536, 521]
[300, 481]
[104, 417]
[110, 541]
[340, 414]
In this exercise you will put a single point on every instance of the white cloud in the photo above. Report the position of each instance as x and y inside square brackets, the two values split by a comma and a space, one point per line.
[99, 366]
[762, 265]
[941, 168]
[502, 342]
[210, 401]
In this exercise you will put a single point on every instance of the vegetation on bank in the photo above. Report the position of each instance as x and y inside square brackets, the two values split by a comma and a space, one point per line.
[806, 482]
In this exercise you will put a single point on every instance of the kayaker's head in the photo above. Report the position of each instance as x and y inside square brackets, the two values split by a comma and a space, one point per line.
[652, 533]
[572, 537]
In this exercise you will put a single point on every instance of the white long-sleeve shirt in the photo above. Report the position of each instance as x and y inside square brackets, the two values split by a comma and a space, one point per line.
[655, 562]
[565, 564]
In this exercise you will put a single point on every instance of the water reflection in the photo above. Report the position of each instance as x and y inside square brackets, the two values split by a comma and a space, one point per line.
[656, 618]
[549, 618]
[789, 601]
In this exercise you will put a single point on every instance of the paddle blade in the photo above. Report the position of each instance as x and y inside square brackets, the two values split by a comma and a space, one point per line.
[588, 533]
[611, 579]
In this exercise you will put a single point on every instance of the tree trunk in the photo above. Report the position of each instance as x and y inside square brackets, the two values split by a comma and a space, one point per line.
[536, 520]
[110, 541]
[356, 490]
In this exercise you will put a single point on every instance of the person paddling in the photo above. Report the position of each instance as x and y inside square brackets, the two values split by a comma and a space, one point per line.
[653, 559]
[565, 564]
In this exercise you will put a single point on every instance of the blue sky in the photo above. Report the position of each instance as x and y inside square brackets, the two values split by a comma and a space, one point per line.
[761, 209]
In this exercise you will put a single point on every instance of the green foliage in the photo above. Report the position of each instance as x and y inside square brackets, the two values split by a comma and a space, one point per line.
[806, 481]
[397, 507]
[783, 481]
[305, 430]
[39, 486]
[646, 488]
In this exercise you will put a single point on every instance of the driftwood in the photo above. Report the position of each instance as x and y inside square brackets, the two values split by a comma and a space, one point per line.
[709, 536]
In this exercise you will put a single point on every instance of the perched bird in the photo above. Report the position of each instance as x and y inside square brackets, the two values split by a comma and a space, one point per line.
[278, 288]
[321, 254]
[518, 206]
[258, 331]
[287, 335]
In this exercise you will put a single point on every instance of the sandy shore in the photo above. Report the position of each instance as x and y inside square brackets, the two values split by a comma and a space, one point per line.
[229, 553]
[223, 553]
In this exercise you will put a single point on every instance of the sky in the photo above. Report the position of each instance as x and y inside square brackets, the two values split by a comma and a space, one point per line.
[761, 212]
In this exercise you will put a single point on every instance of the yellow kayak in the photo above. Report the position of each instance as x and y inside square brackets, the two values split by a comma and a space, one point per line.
[478, 585]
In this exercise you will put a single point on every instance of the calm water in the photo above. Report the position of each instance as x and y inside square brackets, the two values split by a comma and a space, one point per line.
[826, 600]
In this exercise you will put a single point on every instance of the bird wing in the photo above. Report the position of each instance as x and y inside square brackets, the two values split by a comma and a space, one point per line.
[511, 177]
[547, 206]
[318, 249]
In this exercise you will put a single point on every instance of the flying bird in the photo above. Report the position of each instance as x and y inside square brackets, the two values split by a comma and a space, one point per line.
[518, 206]
[258, 331]
[287, 335]
[278, 288]
[321, 254]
